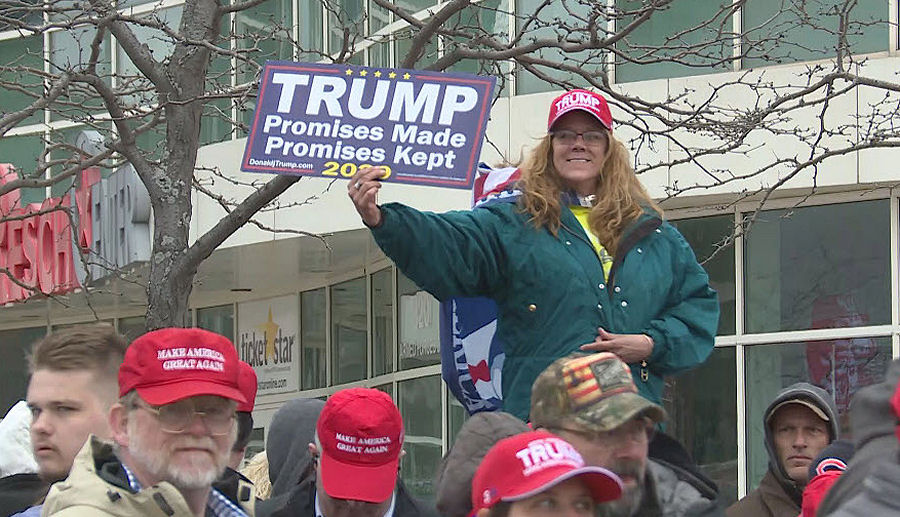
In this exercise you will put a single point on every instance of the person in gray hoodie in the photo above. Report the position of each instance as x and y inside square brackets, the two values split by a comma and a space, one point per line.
[873, 422]
[799, 423]
[293, 428]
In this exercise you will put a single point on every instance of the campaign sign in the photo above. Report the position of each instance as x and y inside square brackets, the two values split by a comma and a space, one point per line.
[333, 120]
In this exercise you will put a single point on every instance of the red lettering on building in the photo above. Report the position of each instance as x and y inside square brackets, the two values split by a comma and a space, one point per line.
[36, 250]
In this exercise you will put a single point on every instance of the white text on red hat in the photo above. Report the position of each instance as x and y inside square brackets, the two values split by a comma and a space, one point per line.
[577, 99]
[191, 358]
[359, 445]
[548, 452]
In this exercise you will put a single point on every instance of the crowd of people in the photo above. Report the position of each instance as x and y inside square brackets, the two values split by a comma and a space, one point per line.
[171, 440]
[599, 299]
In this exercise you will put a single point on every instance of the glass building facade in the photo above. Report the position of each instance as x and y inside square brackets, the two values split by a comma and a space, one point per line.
[795, 306]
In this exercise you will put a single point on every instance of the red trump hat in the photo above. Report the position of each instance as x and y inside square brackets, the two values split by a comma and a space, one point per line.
[526, 464]
[247, 385]
[171, 364]
[582, 100]
[361, 434]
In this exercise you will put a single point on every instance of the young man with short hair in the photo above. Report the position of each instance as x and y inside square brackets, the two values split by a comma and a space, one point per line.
[72, 386]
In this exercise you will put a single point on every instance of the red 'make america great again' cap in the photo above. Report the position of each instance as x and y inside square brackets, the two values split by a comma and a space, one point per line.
[582, 100]
[171, 364]
[527, 464]
[361, 434]
[247, 384]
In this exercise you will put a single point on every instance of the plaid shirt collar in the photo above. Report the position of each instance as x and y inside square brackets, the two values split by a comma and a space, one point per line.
[217, 506]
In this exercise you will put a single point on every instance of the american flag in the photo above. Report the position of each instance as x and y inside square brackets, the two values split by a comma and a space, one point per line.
[471, 353]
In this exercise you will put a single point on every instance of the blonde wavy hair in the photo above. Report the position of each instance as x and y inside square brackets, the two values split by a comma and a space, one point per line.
[621, 199]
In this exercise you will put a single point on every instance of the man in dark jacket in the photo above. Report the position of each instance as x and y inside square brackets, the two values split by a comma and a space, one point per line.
[357, 450]
[591, 402]
[799, 423]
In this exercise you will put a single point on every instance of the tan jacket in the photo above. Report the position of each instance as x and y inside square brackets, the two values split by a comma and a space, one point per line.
[768, 500]
[97, 486]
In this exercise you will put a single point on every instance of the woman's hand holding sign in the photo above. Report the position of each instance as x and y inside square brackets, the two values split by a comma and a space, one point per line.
[363, 190]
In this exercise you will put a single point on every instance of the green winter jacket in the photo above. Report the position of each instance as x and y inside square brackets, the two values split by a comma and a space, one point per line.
[550, 291]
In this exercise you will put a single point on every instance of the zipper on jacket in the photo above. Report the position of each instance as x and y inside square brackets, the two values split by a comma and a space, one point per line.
[628, 241]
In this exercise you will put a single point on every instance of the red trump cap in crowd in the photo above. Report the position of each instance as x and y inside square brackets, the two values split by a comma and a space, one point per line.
[247, 385]
[581, 100]
[895, 403]
[526, 464]
[171, 364]
[361, 434]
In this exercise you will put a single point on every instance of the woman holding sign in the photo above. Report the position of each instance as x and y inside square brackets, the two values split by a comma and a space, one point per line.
[582, 260]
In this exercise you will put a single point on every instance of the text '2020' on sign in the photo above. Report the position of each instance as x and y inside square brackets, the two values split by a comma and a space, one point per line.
[333, 120]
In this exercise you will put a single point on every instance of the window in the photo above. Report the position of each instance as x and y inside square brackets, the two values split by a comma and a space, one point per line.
[382, 322]
[348, 331]
[158, 43]
[312, 340]
[704, 420]
[455, 419]
[709, 237]
[818, 267]
[403, 46]
[379, 53]
[564, 21]
[25, 11]
[71, 50]
[419, 320]
[132, 327]
[217, 319]
[66, 137]
[349, 16]
[312, 42]
[387, 388]
[420, 405]
[256, 444]
[839, 366]
[217, 122]
[14, 364]
[20, 64]
[22, 152]
[264, 32]
[486, 18]
[674, 41]
[787, 31]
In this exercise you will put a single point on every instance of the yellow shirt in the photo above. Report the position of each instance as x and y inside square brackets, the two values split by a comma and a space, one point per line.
[581, 213]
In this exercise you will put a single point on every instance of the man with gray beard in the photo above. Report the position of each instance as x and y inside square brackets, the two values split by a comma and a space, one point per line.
[172, 429]
[591, 402]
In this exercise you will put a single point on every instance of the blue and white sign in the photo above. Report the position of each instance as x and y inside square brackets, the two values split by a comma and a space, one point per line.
[333, 120]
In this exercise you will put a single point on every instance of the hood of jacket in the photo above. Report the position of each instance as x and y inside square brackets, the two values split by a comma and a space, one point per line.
[15, 442]
[809, 393]
[872, 421]
[453, 483]
[287, 446]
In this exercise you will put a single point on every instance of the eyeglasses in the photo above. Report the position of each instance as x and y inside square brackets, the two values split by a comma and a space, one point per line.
[635, 430]
[568, 137]
[178, 416]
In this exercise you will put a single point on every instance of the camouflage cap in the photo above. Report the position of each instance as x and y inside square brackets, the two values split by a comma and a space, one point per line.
[595, 391]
